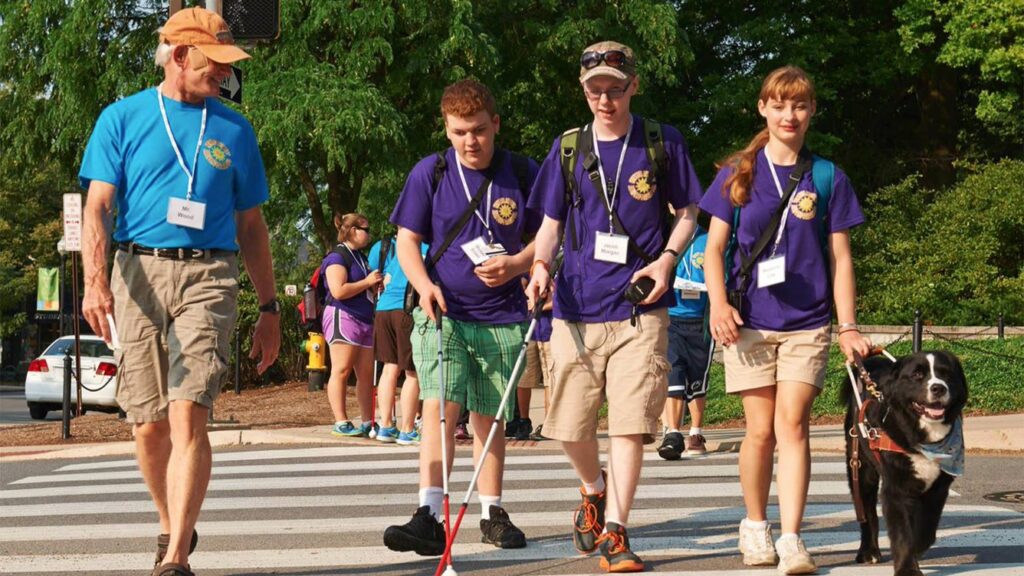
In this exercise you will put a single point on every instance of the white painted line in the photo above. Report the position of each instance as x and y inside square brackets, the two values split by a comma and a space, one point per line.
[673, 547]
[376, 476]
[861, 570]
[568, 496]
[680, 518]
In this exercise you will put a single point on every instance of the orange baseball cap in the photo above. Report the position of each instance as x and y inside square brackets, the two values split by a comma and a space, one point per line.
[205, 30]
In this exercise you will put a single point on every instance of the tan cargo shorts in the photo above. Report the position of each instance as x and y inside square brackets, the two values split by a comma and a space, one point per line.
[616, 361]
[533, 376]
[763, 358]
[174, 319]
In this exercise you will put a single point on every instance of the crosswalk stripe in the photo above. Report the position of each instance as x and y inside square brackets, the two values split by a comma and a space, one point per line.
[696, 469]
[295, 482]
[369, 450]
[676, 547]
[861, 570]
[340, 524]
[565, 495]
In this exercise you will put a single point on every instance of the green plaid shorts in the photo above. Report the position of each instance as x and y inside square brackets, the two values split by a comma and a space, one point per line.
[478, 362]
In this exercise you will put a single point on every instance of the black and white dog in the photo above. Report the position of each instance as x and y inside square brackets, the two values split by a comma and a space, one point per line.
[919, 412]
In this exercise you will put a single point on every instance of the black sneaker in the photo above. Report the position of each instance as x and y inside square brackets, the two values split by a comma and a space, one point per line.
[615, 553]
[589, 520]
[500, 530]
[423, 535]
[512, 428]
[525, 427]
[671, 446]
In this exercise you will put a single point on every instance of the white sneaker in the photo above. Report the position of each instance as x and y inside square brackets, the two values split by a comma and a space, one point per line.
[756, 545]
[794, 558]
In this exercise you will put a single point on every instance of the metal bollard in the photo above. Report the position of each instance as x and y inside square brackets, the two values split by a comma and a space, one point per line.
[66, 417]
[918, 330]
[1001, 327]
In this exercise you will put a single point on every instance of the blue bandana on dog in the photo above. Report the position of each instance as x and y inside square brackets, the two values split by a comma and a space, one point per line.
[948, 452]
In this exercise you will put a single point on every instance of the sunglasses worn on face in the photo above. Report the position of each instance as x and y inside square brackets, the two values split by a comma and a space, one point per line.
[613, 58]
[611, 93]
[363, 228]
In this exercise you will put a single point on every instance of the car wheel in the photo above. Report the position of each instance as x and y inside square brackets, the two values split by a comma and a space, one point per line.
[37, 411]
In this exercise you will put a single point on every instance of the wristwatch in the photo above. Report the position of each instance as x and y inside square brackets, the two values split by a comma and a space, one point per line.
[272, 307]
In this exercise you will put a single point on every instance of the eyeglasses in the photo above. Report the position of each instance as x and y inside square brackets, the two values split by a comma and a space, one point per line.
[363, 228]
[611, 93]
[613, 58]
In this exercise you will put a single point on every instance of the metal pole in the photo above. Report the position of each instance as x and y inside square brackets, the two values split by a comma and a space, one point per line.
[214, 6]
[66, 416]
[62, 284]
[918, 331]
[1001, 327]
[238, 360]
[78, 331]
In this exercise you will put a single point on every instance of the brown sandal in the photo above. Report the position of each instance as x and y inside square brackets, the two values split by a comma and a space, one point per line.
[172, 570]
[164, 540]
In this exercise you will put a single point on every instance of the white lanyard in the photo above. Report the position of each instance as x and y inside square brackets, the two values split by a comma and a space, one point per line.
[199, 144]
[465, 188]
[778, 186]
[366, 273]
[610, 201]
[687, 256]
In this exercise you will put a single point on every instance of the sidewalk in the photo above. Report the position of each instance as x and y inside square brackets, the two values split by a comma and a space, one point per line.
[1004, 433]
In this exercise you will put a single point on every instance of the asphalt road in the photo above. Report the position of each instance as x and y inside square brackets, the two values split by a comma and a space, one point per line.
[13, 409]
[302, 510]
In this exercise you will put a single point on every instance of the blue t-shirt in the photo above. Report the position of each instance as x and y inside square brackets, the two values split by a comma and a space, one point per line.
[433, 215]
[130, 149]
[395, 282]
[360, 305]
[691, 267]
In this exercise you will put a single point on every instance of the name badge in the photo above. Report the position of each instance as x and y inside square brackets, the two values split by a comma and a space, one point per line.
[771, 272]
[476, 249]
[689, 294]
[689, 285]
[610, 247]
[187, 213]
[496, 249]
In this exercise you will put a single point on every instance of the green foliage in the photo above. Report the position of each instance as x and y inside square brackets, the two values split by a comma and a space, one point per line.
[994, 370]
[955, 254]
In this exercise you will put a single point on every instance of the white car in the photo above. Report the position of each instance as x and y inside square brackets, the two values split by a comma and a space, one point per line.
[44, 383]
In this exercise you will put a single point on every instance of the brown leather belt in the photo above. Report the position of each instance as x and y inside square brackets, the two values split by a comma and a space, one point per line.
[174, 253]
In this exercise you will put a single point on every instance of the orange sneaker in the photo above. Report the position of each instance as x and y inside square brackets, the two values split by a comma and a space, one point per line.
[615, 553]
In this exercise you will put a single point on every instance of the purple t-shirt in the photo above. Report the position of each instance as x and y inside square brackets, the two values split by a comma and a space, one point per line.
[592, 290]
[468, 299]
[542, 333]
[361, 305]
[804, 300]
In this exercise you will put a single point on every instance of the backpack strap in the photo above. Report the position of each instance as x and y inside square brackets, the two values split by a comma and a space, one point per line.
[655, 150]
[823, 173]
[440, 165]
[569, 144]
[346, 255]
[385, 249]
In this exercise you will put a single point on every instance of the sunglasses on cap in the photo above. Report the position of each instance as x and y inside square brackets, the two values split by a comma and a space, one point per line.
[613, 58]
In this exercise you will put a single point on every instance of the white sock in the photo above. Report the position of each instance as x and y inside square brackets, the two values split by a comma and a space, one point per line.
[432, 497]
[694, 430]
[485, 505]
[595, 487]
[609, 519]
[340, 422]
[761, 525]
[673, 431]
[787, 536]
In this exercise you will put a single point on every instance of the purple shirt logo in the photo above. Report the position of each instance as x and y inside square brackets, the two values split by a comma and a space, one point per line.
[640, 187]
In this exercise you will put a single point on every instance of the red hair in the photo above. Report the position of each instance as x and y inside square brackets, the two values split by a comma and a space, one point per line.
[466, 98]
[786, 83]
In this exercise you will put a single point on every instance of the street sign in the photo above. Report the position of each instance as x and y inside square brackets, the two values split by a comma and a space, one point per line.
[231, 87]
[291, 290]
[73, 222]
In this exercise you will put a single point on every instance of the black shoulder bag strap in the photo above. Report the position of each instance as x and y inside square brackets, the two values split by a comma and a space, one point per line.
[385, 251]
[747, 264]
[590, 166]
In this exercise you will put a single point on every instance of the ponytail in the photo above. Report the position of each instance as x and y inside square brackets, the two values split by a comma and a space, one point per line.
[737, 186]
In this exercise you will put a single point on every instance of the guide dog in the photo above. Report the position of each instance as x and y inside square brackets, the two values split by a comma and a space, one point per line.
[909, 436]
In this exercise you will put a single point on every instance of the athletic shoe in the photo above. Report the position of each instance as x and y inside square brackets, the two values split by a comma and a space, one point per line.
[347, 429]
[615, 553]
[500, 530]
[423, 535]
[671, 446]
[793, 557]
[537, 436]
[525, 427]
[512, 428]
[387, 435]
[462, 433]
[756, 545]
[589, 520]
[696, 445]
[408, 438]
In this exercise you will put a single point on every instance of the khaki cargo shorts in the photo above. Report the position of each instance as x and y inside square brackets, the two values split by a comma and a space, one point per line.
[533, 376]
[616, 361]
[765, 357]
[175, 319]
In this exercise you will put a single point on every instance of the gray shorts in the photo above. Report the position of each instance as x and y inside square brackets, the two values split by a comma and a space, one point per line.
[175, 319]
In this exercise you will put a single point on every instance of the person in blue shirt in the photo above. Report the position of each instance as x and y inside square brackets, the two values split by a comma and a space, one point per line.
[183, 176]
[689, 354]
[392, 346]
